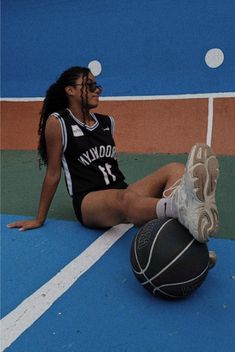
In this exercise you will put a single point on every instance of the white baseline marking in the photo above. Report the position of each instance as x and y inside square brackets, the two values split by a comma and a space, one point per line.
[26, 313]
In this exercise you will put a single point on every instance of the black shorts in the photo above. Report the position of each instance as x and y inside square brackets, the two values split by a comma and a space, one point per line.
[78, 198]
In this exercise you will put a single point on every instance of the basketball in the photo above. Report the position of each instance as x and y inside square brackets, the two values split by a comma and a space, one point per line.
[167, 260]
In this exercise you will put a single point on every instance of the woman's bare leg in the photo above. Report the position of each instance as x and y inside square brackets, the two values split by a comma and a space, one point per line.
[156, 183]
[137, 204]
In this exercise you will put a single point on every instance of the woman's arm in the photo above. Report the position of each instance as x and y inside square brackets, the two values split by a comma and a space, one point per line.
[53, 173]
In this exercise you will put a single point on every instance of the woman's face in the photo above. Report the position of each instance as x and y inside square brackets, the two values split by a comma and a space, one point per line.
[87, 88]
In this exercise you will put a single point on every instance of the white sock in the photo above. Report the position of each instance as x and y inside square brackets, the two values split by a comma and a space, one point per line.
[166, 207]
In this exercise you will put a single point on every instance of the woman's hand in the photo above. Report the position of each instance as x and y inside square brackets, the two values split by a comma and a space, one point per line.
[24, 225]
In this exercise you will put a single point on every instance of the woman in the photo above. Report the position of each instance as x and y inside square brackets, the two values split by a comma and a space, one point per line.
[82, 142]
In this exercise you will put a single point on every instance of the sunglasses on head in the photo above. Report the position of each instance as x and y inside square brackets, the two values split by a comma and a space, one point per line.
[92, 86]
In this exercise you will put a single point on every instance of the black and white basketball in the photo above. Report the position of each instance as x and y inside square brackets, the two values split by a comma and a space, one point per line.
[167, 260]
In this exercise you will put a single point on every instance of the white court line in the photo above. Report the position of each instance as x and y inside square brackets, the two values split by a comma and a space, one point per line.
[139, 97]
[25, 314]
[210, 121]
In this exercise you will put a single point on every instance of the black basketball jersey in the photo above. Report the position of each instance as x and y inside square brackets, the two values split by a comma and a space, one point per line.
[89, 155]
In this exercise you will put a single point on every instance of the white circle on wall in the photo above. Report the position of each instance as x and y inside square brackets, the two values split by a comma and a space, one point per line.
[95, 67]
[214, 57]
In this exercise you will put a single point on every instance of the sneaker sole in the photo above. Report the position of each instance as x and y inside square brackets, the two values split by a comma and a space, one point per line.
[203, 168]
[212, 259]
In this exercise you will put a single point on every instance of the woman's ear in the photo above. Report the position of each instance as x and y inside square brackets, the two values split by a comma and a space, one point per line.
[69, 90]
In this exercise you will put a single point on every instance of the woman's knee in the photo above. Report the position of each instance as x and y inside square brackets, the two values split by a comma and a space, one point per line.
[106, 208]
[176, 167]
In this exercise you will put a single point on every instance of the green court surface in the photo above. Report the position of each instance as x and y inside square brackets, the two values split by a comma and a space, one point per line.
[22, 179]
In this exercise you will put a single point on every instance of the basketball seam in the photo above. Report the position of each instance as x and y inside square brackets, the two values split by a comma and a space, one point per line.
[159, 288]
[136, 257]
[184, 282]
[168, 265]
[142, 271]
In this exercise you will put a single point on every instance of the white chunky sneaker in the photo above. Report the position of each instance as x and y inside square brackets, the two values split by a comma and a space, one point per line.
[195, 195]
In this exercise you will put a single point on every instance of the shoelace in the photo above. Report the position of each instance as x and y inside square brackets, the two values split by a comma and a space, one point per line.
[173, 188]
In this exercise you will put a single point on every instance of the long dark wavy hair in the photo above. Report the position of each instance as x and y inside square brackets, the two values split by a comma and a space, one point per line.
[56, 100]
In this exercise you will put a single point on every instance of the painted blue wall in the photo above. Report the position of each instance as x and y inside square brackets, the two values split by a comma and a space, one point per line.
[145, 47]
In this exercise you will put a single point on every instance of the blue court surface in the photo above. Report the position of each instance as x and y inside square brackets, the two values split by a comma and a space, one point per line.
[106, 309]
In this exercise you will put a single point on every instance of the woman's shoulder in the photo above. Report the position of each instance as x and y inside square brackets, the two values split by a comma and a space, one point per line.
[59, 114]
[106, 121]
[103, 117]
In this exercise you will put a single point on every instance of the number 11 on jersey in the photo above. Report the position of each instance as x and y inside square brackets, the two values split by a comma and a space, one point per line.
[106, 171]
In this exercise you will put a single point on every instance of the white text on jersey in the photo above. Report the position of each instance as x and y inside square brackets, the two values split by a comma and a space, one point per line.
[95, 153]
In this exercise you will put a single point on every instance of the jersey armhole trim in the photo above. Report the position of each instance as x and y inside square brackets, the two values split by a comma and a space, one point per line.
[112, 125]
